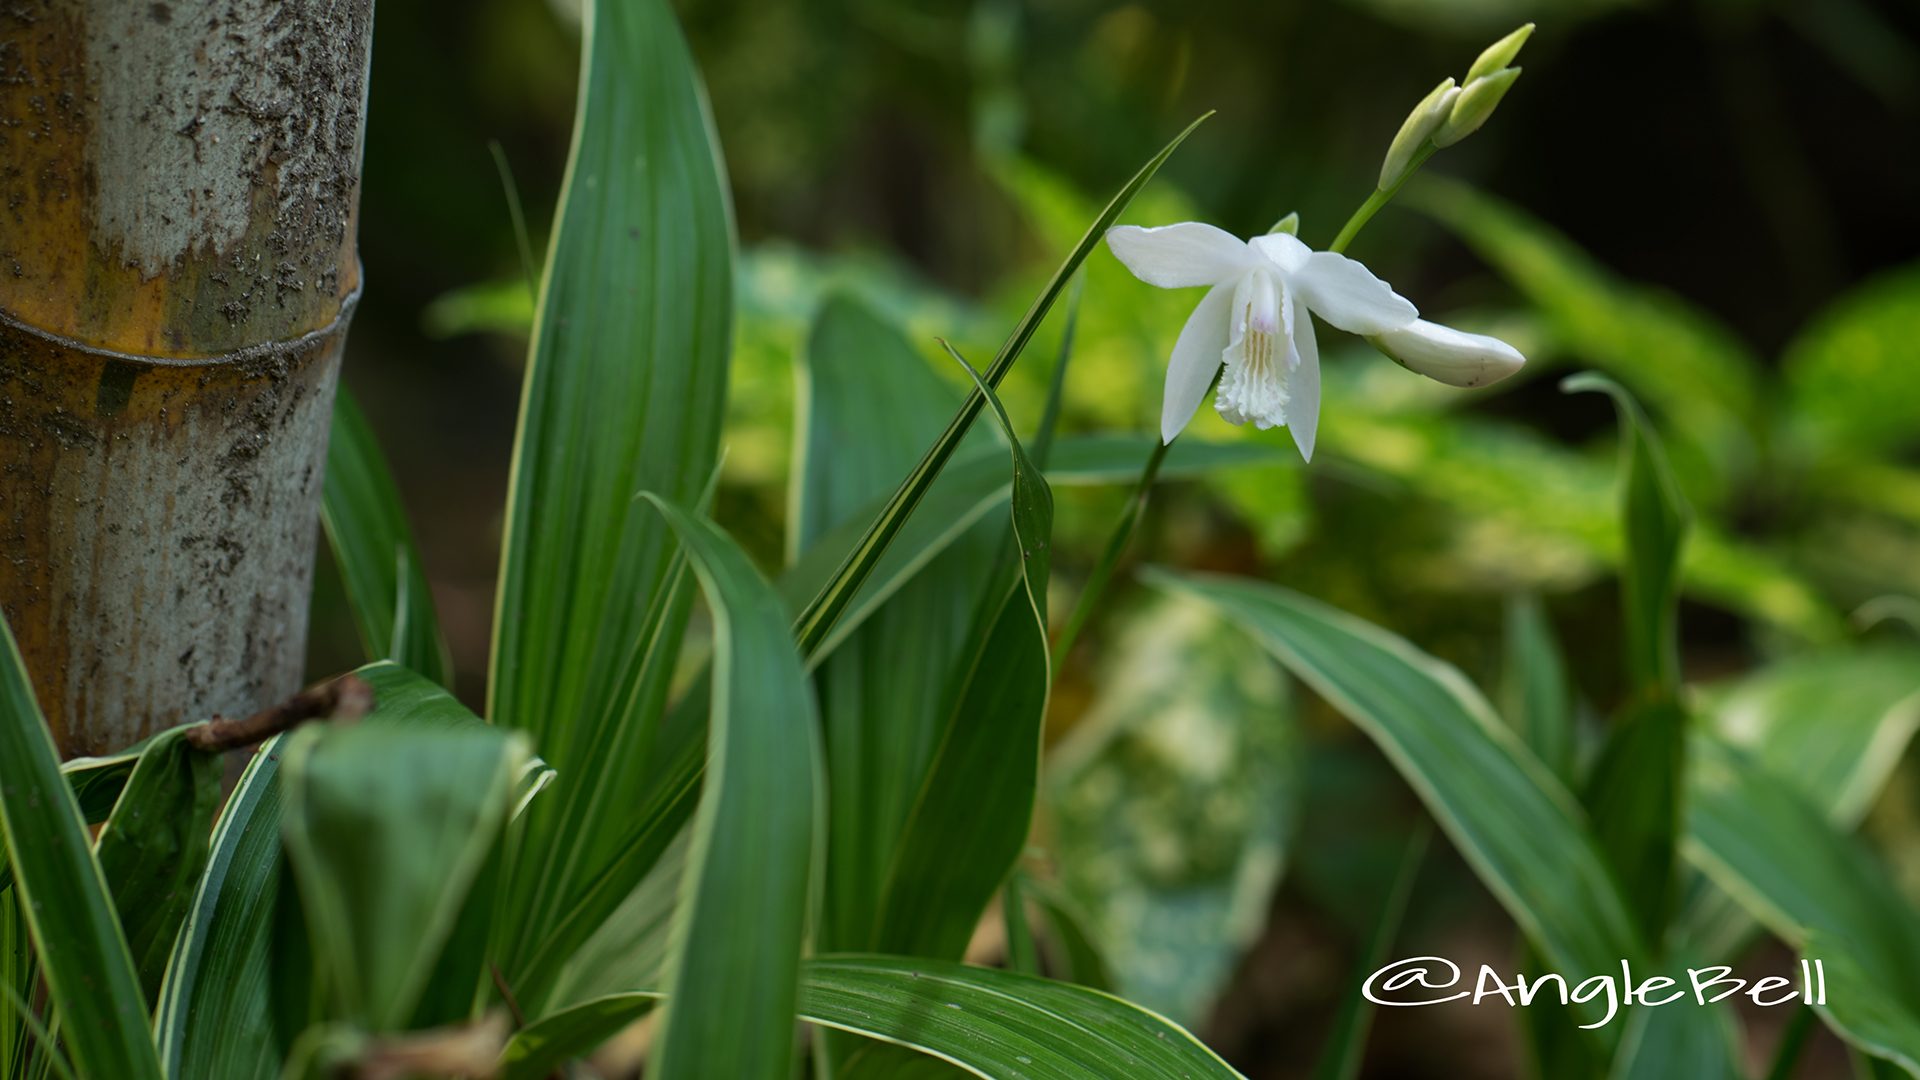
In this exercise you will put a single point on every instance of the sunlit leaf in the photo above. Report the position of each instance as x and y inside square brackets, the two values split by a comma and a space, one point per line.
[1851, 381]
[1173, 803]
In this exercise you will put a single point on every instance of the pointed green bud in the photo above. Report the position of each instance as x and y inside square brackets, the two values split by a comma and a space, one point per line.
[1421, 123]
[1499, 54]
[1476, 102]
[1289, 225]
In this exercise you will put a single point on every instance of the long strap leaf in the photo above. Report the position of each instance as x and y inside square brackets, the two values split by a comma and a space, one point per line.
[742, 918]
[992, 1024]
[83, 953]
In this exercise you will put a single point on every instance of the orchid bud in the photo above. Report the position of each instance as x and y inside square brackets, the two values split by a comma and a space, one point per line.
[1475, 104]
[1451, 356]
[1499, 54]
[1289, 225]
[1421, 123]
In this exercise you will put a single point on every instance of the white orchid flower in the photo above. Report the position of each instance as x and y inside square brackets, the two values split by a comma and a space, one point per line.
[1254, 320]
[1451, 356]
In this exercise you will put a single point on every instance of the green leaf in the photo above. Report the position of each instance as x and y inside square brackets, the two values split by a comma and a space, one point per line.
[538, 1050]
[742, 917]
[1681, 1038]
[155, 846]
[1514, 823]
[1695, 373]
[1173, 802]
[625, 388]
[817, 621]
[657, 822]
[1815, 888]
[993, 1024]
[1655, 517]
[216, 1016]
[1634, 798]
[1071, 952]
[1832, 724]
[1851, 381]
[90, 976]
[869, 403]
[1635, 790]
[971, 814]
[1536, 698]
[1860, 1010]
[388, 824]
[367, 529]
[1346, 1046]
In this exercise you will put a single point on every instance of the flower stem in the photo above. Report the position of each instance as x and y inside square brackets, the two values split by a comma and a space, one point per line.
[1110, 558]
[1379, 198]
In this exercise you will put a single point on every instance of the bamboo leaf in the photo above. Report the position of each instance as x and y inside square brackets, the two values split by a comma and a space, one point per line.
[816, 622]
[742, 917]
[90, 975]
[1515, 824]
[971, 814]
[155, 846]
[367, 529]
[993, 1024]
[625, 386]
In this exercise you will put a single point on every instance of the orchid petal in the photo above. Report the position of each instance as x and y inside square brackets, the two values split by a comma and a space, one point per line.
[1303, 411]
[1196, 356]
[1284, 250]
[1451, 356]
[1179, 256]
[1347, 295]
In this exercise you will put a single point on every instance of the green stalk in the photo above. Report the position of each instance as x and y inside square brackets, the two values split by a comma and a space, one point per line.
[1379, 198]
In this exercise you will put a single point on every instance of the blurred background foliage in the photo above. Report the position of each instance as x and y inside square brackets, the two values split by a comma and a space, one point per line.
[1735, 223]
